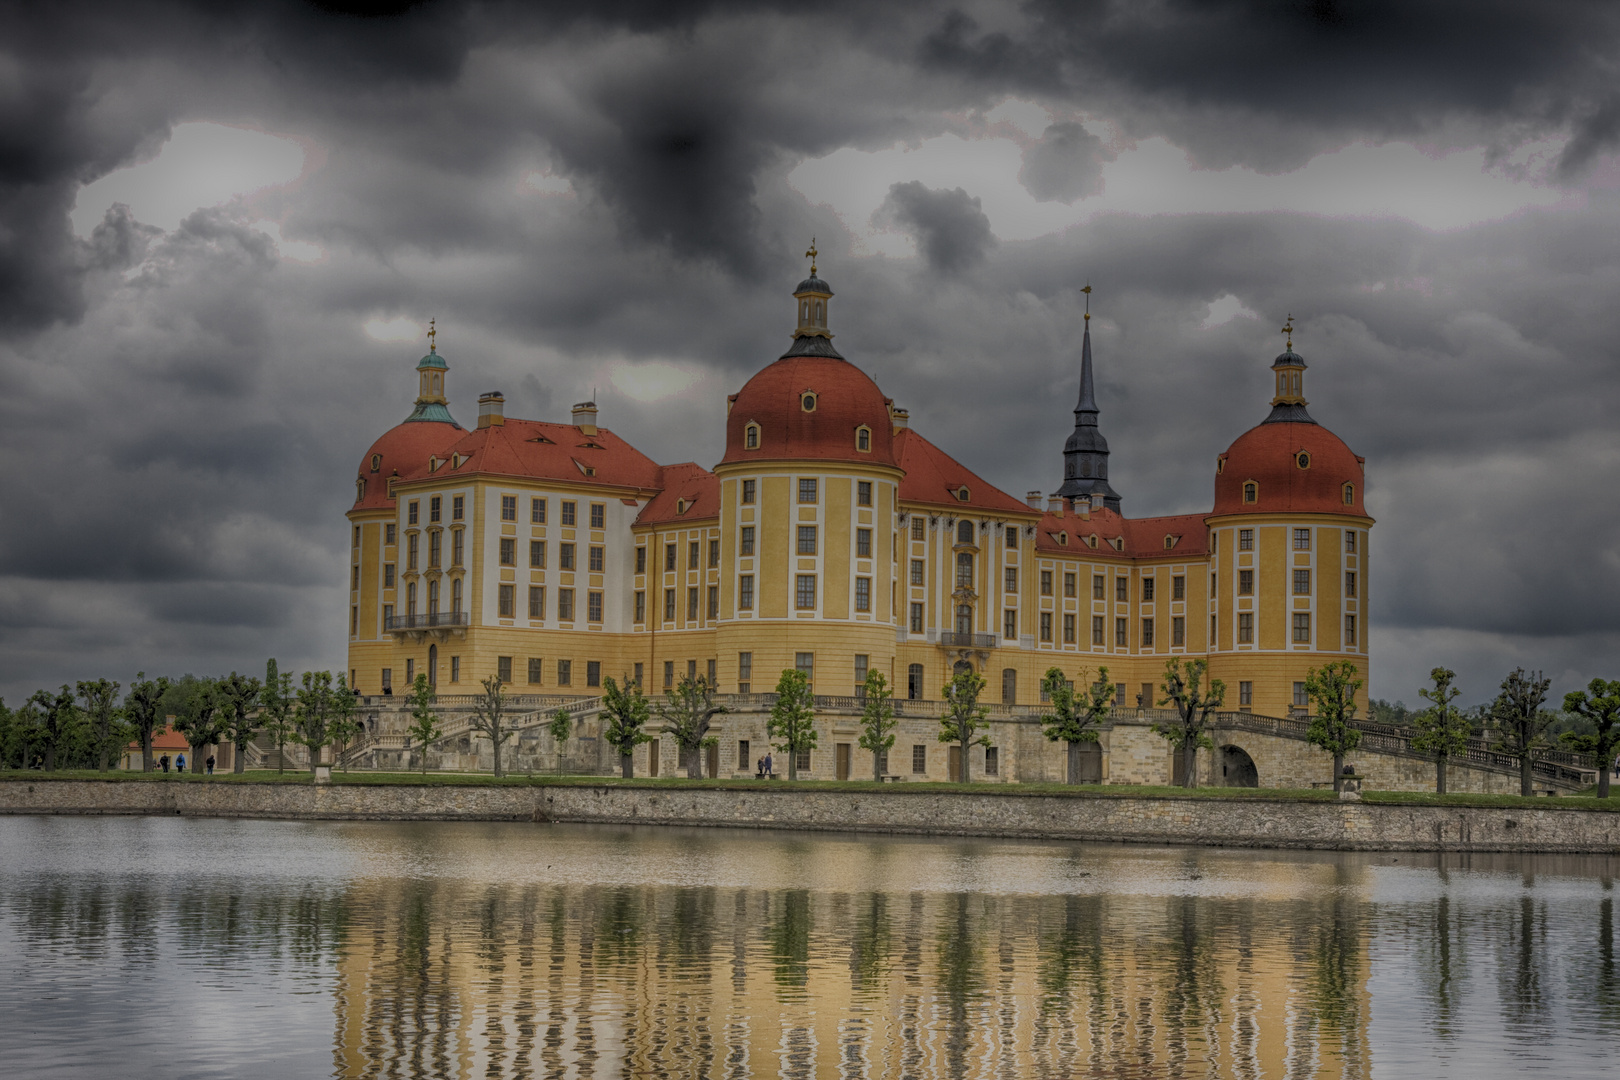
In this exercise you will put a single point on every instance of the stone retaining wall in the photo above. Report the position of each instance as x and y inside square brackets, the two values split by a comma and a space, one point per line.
[1254, 822]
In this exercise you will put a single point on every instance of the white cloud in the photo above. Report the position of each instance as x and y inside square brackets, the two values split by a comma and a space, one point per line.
[1224, 310]
[542, 181]
[398, 328]
[652, 380]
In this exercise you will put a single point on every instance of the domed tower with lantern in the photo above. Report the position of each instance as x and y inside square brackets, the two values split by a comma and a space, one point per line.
[1289, 550]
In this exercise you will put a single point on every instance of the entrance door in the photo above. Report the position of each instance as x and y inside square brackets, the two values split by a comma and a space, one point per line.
[652, 758]
[843, 761]
[713, 762]
[956, 764]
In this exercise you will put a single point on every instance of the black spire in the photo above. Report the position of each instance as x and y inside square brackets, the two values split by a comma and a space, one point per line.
[1085, 455]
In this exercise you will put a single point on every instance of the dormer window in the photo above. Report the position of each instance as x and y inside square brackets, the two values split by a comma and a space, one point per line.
[359, 489]
[751, 437]
[681, 506]
[863, 439]
[1251, 492]
[456, 460]
[1302, 459]
[586, 469]
[1063, 538]
[1349, 494]
[962, 494]
[1091, 541]
[807, 401]
[1170, 541]
[433, 464]
[1220, 465]
[1118, 542]
[376, 462]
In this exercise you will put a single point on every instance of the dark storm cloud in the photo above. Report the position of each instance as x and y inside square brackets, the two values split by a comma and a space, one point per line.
[950, 227]
[1065, 164]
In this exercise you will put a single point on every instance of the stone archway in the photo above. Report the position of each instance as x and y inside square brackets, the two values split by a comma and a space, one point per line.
[1237, 768]
[961, 666]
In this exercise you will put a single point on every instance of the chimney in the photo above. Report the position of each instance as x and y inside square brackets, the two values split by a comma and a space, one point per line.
[1032, 499]
[491, 410]
[1054, 505]
[1082, 506]
[901, 419]
[585, 417]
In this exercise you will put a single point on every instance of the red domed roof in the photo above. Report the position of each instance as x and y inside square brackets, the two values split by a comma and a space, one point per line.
[1269, 455]
[403, 449]
[845, 399]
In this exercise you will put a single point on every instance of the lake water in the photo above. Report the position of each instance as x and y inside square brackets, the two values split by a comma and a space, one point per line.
[166, 947]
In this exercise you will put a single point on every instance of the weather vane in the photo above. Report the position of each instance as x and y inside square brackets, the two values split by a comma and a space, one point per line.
[1288, 332]
[1087, 291]
[811, 255]
[433, 336]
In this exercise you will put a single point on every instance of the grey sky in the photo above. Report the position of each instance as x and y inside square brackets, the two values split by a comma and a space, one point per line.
[221, 236]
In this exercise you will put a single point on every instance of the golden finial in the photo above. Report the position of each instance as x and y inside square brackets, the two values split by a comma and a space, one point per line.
[1087, 291]
[811, 255]
[1288, 331]
[433, 335]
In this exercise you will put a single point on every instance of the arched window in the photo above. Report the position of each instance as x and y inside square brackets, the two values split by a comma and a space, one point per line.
[807, 402]
[410, 599]
[804, 312]
[964, 619]
[360, 489]
[962, 494]
[964, 531]
[1349, 494]
[1085, 467]
[433, 598]
[1251, 492]
[751, 437]
[821, 314]
[863, 439]
[376, 462]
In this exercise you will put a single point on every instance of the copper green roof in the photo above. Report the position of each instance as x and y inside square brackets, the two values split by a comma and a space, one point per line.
[432, 360]
[435, 411]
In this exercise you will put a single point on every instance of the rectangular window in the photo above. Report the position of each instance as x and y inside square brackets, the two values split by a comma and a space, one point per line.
[1302, 582]
[916, 618]
[805, 593]
[435, 505]
[917, 577]
[1046, 626]
[410, 512]
[1147, 633]
[1350, 631]
[598, 519]
[535, 668]
[803, 762]
[508, 551]
[568, 511]
[1245, 628]
[635, 676]
[507, 601]
[1046, 583]
[354, 620]
[692, 555]
[388, 575]
[388, 680]
[745, 670]
[593, 606]
[388, 616]
[537, 601]
[745, 593]
[1121, 634]
[863, 543]
[1178, 588]
[1302, 700]
[1245, 693]
[1012, 536]
[390, 533]
[744, 764]
[691, 604]
[1350, 541]
[1245, 539]
[863, 594]
[458, 546]
[565, 604]
[992, 761]
[1097, 630]
[1350, 583]
[508, 507]
[458, 508]
[641, 606]
[537, 554]
[863, 493]
[919, 528]
[641, 560]
[669, 605]
[1148, 585]
[805, 664]
[1010, 584]
[669, 557]
[714, 601]
[1178, 632]
[503, 668]
[807, 539]
[748, 491]
[598, 558]
[669, 674]
[1069, 589]
[410, 672]
[1068, 630]
[807, 489]
[565, 673]
[565, 556]
[537, 511]
[1009, 624]
[1097, 587]
[714, 554]
[435, 548]
[746, 546]
[1302, 626]
[1122, 589]
[1245, 582]
[1302, 539]
[862, 665]
[593, 673]
[919, 758]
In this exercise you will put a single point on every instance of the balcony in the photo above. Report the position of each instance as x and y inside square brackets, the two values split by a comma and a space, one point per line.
[951, 640]
[430, 621]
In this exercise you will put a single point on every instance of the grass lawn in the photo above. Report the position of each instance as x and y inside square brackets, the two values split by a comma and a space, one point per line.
[1585, 800]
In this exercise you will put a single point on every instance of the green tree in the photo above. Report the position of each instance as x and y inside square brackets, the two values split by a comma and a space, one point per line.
[424, 729]
[792, 723]
[1519, 722]
[58, 717]
[964, 717]
[1332, 688]
[200, 717]
[239, 698]
[877, 720]
[26, 722]
[345, 718]
[312, 715]
[1184, 689]
[687, 712]
[276, 702]
[1075, 717]
[1441, 730]
[489, 717]
[143, 709]
[627, 711]
[1599, 704]
[107, 729]
[560, 727]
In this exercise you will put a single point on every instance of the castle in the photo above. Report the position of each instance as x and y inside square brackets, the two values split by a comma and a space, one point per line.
[833, 538]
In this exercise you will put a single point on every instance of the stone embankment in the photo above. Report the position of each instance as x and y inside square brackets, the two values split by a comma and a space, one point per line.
[1247, 822]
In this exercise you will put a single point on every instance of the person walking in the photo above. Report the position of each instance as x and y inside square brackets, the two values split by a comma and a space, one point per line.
[164, 761]
[210, 764]
[767, 766]
[179, 763]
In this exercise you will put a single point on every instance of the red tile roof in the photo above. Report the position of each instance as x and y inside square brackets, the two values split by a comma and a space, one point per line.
[401, 451]
[846, 399]
[539, 450]
[166, 741]
[1144, 537]
[1269, 455]
[934, 477]
[689, 482]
